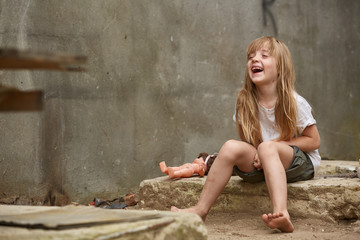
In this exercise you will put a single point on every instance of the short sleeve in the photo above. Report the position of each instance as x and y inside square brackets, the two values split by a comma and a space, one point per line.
[234, 116]
[305, 117]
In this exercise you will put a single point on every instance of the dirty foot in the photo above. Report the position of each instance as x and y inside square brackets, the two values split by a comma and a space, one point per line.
[278, 220]
[189, 210]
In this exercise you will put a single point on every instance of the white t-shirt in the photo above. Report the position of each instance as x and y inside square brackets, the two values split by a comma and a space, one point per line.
[270, 130]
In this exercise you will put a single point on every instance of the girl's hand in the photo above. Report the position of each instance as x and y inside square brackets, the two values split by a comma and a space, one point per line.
[257, 163]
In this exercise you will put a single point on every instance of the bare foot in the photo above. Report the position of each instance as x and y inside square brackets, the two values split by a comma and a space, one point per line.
[189, 210]
[278, 220]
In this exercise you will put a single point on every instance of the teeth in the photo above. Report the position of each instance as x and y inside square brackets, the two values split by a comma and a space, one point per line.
[256, 69]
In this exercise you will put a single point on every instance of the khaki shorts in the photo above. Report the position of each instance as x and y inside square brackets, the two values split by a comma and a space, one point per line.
[301, 169]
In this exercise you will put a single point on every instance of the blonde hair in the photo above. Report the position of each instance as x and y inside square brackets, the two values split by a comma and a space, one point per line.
[247, 112]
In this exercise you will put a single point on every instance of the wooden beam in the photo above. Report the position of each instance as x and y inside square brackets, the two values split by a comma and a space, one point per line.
[22, 59]
[12, 99]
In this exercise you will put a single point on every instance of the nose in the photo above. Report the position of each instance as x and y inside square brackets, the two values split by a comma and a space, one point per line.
[255, 58]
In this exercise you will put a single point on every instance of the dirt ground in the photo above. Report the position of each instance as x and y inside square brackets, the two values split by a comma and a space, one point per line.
[231, 226]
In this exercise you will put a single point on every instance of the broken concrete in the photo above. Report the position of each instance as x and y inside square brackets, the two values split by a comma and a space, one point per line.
[82, 222]
[327, 198]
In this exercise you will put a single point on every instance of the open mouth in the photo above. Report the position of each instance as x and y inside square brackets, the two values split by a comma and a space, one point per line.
[257, 69]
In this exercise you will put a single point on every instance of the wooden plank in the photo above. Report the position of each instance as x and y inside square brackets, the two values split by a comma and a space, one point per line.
[12, 99]
[24, 59]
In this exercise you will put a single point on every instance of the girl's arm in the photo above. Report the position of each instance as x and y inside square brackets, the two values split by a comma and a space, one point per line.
[242, 137]
[256, 160]
[241, 133]
[309, 141]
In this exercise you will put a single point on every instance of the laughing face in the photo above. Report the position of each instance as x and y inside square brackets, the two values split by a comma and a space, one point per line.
[261, 67]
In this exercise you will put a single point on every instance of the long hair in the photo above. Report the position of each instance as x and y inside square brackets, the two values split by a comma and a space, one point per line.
[247, 111]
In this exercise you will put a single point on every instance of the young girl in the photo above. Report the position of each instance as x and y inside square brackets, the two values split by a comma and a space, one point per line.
[278, 132]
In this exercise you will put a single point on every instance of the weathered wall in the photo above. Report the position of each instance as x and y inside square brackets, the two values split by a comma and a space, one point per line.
[161, 85]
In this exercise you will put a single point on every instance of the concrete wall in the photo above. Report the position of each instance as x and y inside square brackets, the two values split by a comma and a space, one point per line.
[161, 85]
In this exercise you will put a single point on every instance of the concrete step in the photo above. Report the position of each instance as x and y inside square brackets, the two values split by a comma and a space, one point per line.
[330, 198]
[84, 222]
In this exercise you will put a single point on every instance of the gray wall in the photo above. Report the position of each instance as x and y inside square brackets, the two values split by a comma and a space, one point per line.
[161, 85]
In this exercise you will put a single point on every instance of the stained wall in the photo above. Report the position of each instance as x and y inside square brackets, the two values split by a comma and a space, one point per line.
[160, 85]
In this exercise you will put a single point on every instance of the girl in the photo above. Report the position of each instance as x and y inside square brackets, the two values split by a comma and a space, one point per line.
[278, 132]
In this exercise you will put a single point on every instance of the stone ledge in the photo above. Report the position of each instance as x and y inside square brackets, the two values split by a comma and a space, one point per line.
[117, 224]
[330, 198]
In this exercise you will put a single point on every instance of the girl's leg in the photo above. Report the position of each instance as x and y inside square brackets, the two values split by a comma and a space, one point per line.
[231, 153]
[275, 158]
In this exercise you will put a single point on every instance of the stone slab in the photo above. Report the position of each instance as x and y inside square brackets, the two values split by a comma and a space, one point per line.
[83, 222]
[326, 198]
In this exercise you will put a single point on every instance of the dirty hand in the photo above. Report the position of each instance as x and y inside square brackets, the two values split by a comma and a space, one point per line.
[257, 163]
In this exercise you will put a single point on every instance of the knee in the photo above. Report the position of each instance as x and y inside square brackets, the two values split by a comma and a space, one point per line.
[266, 148]
[232, 150]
